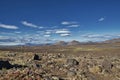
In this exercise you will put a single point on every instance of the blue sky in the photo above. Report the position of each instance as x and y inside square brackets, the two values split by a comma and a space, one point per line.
[49, 21]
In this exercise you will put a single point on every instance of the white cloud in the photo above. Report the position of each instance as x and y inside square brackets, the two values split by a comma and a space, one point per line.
[95, 36]
[63, 31]
[4, 37]
[10, 43]
[48, 32]
[29, 24]
[101, 19]
[74, 25]
[8, 26]
[100, 37]
[40, 27]
[68, 23]
[64, 35]
[35, 38]
[47, 35]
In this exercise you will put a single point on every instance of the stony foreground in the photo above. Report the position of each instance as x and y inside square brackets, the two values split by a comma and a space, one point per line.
[49, 66]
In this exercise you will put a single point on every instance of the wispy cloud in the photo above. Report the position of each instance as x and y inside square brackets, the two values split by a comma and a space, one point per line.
[96, 36]
[101, 19]
[68, 22]
[41, 27]
[71, 24]
[64, 35]
[62, 31]
[4, 37]
[17, 32]
[8, 26]
[49, 31]
[31, 24]
[10, 43]
[100, 37]
[74, 25]
[47, 35]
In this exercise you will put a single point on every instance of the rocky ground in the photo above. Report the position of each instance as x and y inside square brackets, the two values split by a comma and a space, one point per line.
[58, 66]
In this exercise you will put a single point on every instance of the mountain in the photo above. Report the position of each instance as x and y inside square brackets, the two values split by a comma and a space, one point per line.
[61, 43]
[74, 42]
[117, 40]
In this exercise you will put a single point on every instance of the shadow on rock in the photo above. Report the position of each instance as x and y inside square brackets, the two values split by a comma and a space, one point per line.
[7, 65]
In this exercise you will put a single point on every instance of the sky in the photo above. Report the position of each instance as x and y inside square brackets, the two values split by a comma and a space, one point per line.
[48, 21]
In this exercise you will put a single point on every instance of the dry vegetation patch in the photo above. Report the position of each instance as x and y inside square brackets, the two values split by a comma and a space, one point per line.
[85, 62]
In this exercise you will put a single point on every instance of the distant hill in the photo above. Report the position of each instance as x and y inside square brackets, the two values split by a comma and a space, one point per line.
[74, 42]
[117, 40]
[61, 43]
[71, 43]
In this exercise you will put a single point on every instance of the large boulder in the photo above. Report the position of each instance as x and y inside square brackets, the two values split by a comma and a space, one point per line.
[36, 57]
[5, 64]
[72, 62]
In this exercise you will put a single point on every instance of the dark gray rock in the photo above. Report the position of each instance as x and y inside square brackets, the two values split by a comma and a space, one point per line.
[36, 57]
[5, 64]
[72, 62]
